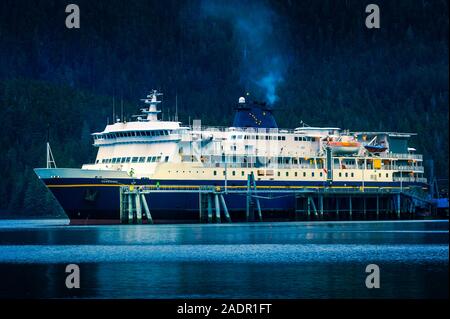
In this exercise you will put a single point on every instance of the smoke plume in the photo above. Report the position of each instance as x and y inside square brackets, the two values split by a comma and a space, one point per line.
[262, 64]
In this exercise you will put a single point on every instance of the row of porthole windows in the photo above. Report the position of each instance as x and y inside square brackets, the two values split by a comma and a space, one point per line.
[352, 174]
[304, 174]
[131, 134]
[346, 174]
[142, 159]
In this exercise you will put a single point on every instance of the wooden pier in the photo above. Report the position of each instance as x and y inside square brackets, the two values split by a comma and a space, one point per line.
[321, 203]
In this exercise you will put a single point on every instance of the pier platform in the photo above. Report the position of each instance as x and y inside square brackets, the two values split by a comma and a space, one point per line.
[312, 203]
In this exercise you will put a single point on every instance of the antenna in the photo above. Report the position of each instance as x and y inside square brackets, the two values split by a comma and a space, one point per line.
[121, 108]
[50, 159]
[176, 107]
[113, 110]
[152, 111]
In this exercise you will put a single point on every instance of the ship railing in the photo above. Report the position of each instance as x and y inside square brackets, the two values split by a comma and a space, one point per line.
[402, 156]
[272, 166]
[351, 190]
[170, 187]
[403, 168]
[410, 179]
[227, 129]
[260, 189]
[345, 166]
[138, 139]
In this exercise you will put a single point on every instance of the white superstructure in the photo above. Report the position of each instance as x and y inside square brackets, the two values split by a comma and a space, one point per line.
[154, 149]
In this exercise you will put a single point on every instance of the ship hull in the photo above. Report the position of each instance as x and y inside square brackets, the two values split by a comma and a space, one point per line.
[97, 200]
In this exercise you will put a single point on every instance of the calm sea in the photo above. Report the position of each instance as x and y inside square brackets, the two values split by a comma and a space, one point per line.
[252, 260]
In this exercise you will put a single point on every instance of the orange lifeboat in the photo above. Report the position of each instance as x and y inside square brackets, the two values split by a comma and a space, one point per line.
[344, 146]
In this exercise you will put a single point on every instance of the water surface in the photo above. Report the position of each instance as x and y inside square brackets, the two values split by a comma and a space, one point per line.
[249, 260]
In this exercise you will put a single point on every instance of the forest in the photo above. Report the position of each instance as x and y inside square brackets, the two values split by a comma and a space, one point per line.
[313, 60]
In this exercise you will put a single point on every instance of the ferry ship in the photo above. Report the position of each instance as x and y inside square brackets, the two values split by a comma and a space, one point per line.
[170, 155]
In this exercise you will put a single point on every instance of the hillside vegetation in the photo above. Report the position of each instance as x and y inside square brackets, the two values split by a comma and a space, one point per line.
[323, 65]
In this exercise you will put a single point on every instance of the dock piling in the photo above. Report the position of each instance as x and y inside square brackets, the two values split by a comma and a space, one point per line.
[378, 207]
[146, 209]
[138, 208]
[225, 209]
[350, 210]
[322, 203]
[309, 207]
[209, 208]
[314, 208]
[130, 209]
[216, 202]
[364, 208]
[337, 208]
